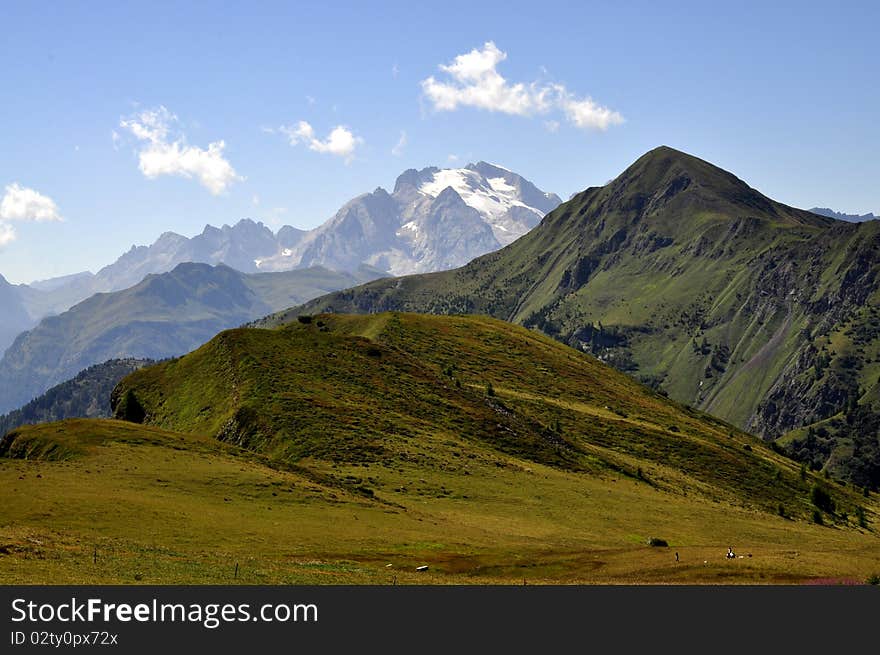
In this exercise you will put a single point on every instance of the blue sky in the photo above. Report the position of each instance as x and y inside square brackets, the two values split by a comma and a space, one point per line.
[786, 97]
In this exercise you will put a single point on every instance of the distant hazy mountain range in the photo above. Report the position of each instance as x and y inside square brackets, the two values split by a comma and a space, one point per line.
[852, 218]
[164, 315]
[435, 219]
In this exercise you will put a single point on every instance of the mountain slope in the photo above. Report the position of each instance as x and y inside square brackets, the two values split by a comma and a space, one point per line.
[163, 316]
[85, 396]
[357, 448]
[14, 318]
[102, 501]
[684, 276]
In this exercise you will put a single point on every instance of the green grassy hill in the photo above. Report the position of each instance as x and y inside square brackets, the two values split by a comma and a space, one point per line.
[325, 450]
[685, 277]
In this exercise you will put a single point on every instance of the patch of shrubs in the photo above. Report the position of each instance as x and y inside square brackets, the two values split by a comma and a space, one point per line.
[657, 542]
[130, 409]
[860, 517]
[305, 319]
[822, 499]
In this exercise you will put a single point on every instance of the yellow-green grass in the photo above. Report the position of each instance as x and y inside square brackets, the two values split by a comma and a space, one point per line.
[139, 505]
[324, 451]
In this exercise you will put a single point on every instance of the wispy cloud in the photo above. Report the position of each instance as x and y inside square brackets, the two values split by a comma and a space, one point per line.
[585, 113]
[275, 216]
[7, 234]
[397, 150]
[473, 80]
[20, 203]
[164, 150]
[341, 141]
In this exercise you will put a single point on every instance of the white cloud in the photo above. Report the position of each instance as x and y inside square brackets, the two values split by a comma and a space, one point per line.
[340, 142]
[451, 158]
[585, 113]
[164, 153]
[255, 200]
[397, 150]
[311, 100]
[21, 203]
[552, 126]
[474, 81]
[395, 71]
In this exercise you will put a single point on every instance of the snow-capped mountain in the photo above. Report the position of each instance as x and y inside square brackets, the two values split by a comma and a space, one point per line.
[435, 219]
[497, 194]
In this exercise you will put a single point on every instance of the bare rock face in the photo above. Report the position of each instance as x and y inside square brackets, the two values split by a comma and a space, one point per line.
[435, 219]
